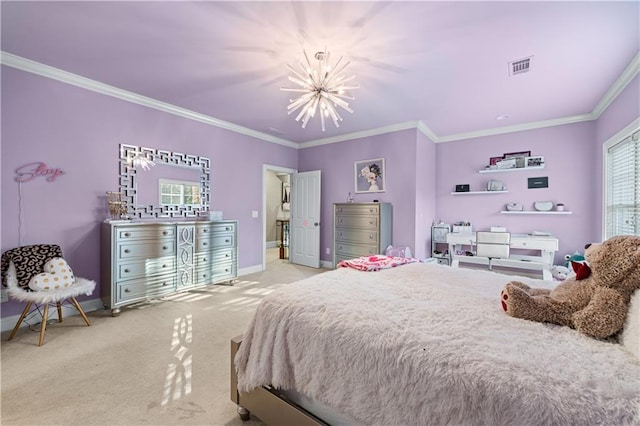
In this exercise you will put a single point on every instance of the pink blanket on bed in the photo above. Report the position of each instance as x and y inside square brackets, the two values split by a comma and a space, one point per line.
[375, 262]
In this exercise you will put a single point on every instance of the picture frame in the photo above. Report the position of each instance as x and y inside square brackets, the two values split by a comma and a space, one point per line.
[495, 185]
[508, 155]
[369, 176]
[494, 160]
[535, 161]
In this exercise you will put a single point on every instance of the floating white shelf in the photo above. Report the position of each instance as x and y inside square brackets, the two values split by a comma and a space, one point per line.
[533, 212]
[478, 192]
[515, 169]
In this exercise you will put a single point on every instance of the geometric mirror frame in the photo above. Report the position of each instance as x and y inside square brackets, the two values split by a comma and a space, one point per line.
[129, 180]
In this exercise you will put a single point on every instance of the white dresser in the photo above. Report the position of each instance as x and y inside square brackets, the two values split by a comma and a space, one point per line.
[361, 229]
[141, 261]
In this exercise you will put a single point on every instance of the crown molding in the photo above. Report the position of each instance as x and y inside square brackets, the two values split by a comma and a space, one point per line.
[518, 127]
[43, 70]
[361, 134]
[618, 86]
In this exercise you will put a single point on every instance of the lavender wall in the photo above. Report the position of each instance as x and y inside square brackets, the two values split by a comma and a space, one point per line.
[426, 184]
[336, 161]
[622, 112]
[79, 132]
[570, 161]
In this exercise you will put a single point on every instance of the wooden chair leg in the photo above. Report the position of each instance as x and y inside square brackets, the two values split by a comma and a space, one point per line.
[24, 314]
[43, 327]
[79, 308]
[59, 306]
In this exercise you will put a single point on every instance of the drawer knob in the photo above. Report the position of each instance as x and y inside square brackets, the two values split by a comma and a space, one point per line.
[164, 266]
[371, 210]
[164, 284]
[204, 244]
[340, 209]
[370, 222]
[204, 259]
[126, 234]
[126, 290]
[165, 233]
[226, 241]
[205, 230]
[127, 250]
[204, 275]
[340, 220]
[371, 236]
[227, 228]
[164, 247]
[226, 270]
[127, 271]
[226, 255]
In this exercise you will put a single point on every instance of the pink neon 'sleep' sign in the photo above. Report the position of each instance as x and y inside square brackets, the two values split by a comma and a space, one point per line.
[33, 170]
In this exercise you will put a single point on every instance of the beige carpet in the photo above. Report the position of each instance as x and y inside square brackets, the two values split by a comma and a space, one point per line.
[160, 363]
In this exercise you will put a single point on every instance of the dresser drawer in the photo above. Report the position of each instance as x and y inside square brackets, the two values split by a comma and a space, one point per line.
[534, 243]
[364, 222]
[144, 288]
[355, 250]
[357, 209]
[218, 228]
[145, 267]
[215, 241]
[218, 272]
[208, 258]
[132, 250]
[128, 233]
[356, 235]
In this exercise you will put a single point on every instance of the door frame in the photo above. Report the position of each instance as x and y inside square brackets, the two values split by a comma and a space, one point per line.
[276, 169]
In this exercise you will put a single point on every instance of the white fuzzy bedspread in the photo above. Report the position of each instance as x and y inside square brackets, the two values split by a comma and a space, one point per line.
[425, 344]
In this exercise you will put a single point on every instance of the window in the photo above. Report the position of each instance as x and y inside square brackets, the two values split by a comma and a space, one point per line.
[175, 192]
[622, 186]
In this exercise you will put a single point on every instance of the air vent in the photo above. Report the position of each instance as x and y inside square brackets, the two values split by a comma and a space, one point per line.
[520, 66]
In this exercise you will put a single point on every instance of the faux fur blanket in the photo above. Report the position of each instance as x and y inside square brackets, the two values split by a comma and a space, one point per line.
[375, 262]
[430, 345]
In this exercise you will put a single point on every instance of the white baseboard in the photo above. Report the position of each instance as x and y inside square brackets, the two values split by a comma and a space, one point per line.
[249, 270]
[8, 323]
[327, 264]
[272, 244]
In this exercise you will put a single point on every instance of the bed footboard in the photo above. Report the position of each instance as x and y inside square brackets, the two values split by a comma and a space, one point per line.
[266, 403]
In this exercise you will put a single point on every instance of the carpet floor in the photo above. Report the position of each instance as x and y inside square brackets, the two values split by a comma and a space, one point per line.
[164, 362]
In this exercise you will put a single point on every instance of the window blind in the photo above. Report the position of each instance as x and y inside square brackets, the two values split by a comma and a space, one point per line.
[623, 187]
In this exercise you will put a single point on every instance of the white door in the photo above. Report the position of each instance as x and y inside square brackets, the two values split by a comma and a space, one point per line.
[305, 219]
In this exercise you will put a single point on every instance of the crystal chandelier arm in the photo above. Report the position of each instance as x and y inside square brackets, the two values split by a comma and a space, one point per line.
[289, 89]
[300, 83]
[296, 73]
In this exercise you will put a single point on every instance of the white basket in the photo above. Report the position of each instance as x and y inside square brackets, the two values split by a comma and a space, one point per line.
[463, 229]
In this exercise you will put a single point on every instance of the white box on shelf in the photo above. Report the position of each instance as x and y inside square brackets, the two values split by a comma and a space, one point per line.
[462, 229]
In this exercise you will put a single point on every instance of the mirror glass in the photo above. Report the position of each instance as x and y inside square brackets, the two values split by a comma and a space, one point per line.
[158, 183]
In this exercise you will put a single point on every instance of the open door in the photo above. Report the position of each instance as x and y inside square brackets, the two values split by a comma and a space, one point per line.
[305, 219]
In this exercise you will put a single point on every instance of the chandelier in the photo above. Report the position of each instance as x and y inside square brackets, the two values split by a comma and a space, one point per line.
[322, 88]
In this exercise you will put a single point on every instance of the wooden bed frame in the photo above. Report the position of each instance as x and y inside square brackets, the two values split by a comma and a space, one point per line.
[267, 404]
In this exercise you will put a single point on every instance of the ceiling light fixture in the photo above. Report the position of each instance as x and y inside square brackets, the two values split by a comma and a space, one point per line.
[322, 87]
[140, 161]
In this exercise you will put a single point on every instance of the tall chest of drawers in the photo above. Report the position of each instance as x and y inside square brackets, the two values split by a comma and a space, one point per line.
[361, 229]
[141, 261]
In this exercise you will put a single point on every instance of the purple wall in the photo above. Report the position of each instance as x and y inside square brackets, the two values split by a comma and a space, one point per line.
[570, 160]
[79, 132]
[336, 161]
[622, 112]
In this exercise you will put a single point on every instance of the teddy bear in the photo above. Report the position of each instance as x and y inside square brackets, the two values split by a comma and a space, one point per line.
[594, 301]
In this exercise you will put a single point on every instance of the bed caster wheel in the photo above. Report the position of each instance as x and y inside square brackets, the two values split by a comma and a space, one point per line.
[243, 413]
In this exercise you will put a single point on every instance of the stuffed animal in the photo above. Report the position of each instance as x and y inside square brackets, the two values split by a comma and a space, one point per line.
[560, 272]
[594, 302]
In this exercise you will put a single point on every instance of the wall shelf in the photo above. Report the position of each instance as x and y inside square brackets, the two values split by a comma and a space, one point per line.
[515, 169]
[479, 192]
[534, 212]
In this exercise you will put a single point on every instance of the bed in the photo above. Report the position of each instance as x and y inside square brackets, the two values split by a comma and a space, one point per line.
[423, 344]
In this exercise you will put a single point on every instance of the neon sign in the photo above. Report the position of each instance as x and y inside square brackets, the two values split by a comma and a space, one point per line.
[33, 170]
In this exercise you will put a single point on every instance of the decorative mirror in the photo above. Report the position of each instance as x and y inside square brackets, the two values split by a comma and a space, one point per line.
[157, 183]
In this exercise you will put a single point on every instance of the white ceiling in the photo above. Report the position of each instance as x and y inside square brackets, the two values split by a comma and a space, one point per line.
[444, 64]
